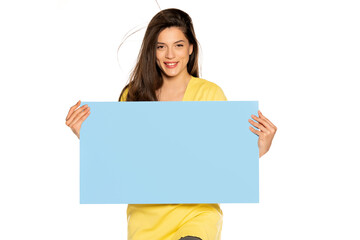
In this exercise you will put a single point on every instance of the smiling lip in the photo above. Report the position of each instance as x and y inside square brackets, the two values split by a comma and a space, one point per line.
[172, 64]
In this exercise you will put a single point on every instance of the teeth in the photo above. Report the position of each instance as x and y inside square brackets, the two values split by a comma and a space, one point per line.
[171, 64]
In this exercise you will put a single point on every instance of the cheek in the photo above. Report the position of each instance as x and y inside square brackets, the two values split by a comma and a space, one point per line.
[158, 58]
[185, 55]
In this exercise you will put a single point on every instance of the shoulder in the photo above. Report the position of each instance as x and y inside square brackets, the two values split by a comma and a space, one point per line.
[207, 90]
[124, 94]
[204, 84]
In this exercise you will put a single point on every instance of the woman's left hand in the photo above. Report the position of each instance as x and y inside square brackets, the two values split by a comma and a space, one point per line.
[266, 132]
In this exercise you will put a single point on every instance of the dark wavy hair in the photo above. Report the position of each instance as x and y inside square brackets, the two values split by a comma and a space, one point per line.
[146, 77]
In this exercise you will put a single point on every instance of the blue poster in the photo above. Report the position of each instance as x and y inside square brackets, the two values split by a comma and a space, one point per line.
[169, 152]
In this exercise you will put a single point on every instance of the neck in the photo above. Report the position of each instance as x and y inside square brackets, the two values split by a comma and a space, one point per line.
[177, 83]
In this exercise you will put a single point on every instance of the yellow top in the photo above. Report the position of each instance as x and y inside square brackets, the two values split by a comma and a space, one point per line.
[174, 221]
[198, 89]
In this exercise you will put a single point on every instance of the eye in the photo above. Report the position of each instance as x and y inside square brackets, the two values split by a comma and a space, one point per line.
[180, 45]
[160, 47]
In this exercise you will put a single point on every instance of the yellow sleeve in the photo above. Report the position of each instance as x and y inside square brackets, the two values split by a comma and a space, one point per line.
[219, 95]
[123, 97]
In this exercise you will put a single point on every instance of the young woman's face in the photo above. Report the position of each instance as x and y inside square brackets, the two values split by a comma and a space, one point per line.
[172, 51]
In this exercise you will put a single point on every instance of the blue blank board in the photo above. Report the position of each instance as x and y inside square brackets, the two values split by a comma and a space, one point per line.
[169, 152]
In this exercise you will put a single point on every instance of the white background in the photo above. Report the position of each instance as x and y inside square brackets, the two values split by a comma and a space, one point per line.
[299, 59]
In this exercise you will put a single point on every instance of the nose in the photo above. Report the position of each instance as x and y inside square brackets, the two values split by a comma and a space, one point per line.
[170, 53]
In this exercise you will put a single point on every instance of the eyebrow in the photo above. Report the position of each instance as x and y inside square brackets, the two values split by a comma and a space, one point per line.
[174, 42]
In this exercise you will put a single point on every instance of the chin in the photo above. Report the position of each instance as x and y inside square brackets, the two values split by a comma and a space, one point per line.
[171, 74]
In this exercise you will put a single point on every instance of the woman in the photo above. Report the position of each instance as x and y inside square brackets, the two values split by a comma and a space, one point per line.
[167, 70]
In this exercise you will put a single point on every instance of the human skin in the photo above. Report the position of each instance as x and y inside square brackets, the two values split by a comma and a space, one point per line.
[173, 47]
[266, 132]
[76, 116]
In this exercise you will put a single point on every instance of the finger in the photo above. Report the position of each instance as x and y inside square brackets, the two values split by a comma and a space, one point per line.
[76, 115]
[81, 118]
[268, 121]
[72, 110]
[262, 121]
[76, 112]
[255, 131]
[264, 118]
[259, 126]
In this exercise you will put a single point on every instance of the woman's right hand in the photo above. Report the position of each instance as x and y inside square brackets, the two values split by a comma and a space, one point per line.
[75, 118]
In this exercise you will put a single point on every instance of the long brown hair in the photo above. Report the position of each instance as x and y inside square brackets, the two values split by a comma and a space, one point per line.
[146, 78]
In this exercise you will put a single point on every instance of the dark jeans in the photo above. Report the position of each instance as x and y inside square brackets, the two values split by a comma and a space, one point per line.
[190, 238]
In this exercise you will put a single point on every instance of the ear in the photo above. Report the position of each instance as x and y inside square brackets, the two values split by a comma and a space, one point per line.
[191, 49]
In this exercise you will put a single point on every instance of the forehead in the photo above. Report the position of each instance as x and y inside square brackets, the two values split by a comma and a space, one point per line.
[171, 35]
